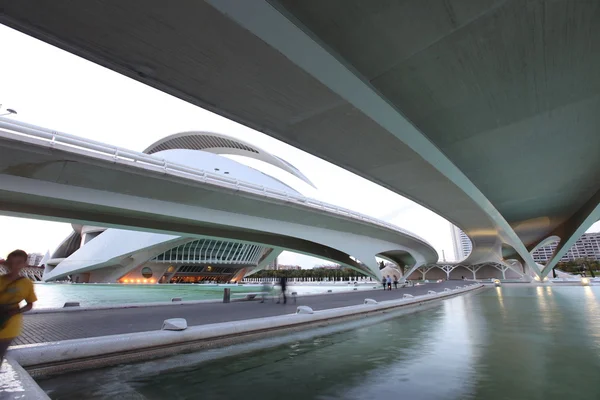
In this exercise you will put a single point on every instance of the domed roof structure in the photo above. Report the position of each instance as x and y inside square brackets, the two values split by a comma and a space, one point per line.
[221, 144]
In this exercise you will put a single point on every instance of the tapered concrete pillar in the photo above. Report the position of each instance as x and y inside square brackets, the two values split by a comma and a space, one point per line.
[410, 271]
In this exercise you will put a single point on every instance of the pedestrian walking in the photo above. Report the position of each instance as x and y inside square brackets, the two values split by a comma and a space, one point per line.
[389, 282]
[283, 284]
[384, 282]
[395, 282]
[13, 290]
[266, 290]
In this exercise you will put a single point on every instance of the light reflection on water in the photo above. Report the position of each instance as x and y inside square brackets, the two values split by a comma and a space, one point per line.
[505, 343]
[592, 308]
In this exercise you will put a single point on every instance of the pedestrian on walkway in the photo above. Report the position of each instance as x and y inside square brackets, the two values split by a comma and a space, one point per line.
[389, 282]
[13, 290]
[395, 282]
[384, 282]
[265, 291]
[283, 284]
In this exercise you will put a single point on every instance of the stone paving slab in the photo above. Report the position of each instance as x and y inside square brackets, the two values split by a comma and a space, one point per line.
[50, 327]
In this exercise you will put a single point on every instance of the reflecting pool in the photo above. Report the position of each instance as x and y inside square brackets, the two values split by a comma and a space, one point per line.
[53, 295]
[504, 343]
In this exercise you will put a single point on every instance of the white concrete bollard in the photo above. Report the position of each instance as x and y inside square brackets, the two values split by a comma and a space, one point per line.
[408, 296]
[176, 299]
[304, 310]
[431, 292]
[370, 301]
[174, 324]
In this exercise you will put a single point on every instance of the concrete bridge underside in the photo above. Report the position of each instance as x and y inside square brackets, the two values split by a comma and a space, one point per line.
[482, 111]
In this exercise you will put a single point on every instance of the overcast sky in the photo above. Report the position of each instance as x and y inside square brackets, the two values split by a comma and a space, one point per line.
[58, 90]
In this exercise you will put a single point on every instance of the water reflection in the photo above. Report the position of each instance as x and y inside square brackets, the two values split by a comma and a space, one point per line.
[592, 309]
[545, 308]
[506, 343]
[501, 302]
[539, 351]
[430, 358]
[328, 367]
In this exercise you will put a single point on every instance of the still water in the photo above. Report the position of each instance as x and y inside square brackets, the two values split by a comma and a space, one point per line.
[504, 343]
[53, 295]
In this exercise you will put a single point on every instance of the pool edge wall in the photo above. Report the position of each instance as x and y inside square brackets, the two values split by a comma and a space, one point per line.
[54, 358]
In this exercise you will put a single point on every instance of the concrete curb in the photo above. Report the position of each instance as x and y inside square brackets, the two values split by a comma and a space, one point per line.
[16, 383]
[48, 353]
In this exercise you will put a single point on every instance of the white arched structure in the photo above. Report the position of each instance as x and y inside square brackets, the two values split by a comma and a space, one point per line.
[461, 270]
[33, 273]
[47, 174]
[221, 144]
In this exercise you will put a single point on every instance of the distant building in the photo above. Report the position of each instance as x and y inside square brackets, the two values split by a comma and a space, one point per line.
[273, 265]
[588, 246]
[288, 267]
[328, 266]
[34, 259]
[462, 243]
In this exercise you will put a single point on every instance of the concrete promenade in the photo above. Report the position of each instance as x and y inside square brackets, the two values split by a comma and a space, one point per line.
[50, 327]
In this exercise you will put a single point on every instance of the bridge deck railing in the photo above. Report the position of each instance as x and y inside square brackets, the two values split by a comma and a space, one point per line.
[10, 129]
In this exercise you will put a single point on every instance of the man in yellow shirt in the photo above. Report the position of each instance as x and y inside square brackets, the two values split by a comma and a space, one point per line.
[13, 290]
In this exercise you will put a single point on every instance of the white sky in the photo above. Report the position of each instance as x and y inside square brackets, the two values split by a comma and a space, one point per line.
[54, 89]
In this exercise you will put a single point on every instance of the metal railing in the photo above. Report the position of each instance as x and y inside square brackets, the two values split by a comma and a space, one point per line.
[18, 130]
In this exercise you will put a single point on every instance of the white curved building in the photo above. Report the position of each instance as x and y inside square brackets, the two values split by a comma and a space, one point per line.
[96, 254]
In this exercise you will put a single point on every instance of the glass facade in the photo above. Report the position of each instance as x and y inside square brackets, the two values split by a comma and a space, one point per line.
[210, 251]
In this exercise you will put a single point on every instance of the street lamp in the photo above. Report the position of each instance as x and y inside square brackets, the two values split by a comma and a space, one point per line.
[8, 111]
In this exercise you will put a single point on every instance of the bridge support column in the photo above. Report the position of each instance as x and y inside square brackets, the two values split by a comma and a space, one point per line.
[410, 271]
[447, 269]
[474, 269]
[501, 268]
[530, 272]
[571, 230]
[424, 270]
[517, 266]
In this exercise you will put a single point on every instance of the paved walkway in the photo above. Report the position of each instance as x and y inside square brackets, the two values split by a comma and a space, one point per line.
[49, 327]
